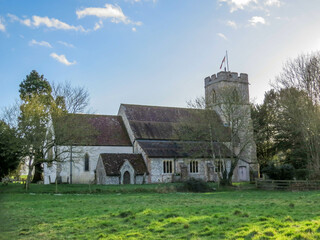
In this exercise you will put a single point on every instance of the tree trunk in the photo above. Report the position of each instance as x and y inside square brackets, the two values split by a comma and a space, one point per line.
[37, 173]
[30, 167]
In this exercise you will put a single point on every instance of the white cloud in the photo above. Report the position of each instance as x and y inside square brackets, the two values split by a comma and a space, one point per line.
[110, 11]
[41, 43]
[140, 1]
[12, 17]
[222, 36]
[232, 24]
[38, 21]
[62, 59]
[26, 22]
[257, 20]
[134, 29]
[276, 3]
[238, 4]
[2, 26]
[54, 23]
[98, 25]
[66, 44]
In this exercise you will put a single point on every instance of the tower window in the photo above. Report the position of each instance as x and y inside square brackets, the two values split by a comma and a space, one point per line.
[167, 167]
[86, 162]
[213, 96]
[194, 167]
[235, 96]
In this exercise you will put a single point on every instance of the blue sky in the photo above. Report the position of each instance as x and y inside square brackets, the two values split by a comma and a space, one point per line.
[152, 52]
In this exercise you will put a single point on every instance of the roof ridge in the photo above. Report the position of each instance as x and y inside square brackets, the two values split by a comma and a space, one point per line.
[139, 105]
[93, 114]
[121, 153]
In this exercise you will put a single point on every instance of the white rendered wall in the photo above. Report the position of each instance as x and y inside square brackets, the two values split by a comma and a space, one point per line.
[79, 175]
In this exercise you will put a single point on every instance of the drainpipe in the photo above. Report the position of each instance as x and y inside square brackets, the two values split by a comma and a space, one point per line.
[70, 164]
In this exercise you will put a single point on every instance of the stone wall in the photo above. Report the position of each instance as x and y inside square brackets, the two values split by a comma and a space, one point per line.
[113, 180]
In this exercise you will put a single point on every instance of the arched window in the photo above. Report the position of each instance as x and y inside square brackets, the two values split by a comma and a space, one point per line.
[213, 96]
[235, 96]
[194, 167]
[86, 162]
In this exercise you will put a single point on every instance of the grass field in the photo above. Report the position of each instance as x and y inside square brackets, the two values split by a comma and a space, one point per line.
[154, 212]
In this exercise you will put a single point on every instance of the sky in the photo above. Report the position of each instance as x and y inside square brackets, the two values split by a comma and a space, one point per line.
[150, 52]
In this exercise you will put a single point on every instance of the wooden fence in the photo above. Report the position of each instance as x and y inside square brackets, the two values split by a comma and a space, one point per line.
[291, 185]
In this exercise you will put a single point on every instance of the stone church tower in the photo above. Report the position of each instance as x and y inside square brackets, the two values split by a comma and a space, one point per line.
[222, 87]
[216, 83]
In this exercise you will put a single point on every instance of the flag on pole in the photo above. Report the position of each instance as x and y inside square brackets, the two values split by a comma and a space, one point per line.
[223, 60]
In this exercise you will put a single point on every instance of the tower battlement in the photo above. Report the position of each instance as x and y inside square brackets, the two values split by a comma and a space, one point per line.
[226, 76]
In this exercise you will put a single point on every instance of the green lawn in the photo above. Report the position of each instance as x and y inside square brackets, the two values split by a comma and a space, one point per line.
[144, 212]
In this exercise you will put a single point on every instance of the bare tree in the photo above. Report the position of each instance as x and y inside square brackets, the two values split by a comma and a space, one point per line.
[235, 113]
[73, 99]
[299, 85]
[221, 121]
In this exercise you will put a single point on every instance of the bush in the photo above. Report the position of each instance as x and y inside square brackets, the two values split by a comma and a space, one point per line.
[283, 172]
[271, 171]
[302, 174]
[196, 185]
[286, 172]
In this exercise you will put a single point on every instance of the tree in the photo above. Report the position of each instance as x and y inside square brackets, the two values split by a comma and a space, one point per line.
[234, 110]
[71, 99]
[10, 149]
[40, 104]
[264, 124]
[236, 133]
[299, 89]
[276, 132]
[35, 93]
[34, 85]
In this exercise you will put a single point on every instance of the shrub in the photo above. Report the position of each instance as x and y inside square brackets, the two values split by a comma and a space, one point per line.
[302, 174]
[283, 172]
[286, 172]
[196, 185]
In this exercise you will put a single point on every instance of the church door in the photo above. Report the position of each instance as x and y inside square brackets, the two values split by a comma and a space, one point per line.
[126, 177]
[242, 173]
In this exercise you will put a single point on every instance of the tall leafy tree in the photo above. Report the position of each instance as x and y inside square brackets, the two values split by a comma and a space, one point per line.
[263, 117]
[34, 85]
[35, 93]
[10, 149]
[42, 103]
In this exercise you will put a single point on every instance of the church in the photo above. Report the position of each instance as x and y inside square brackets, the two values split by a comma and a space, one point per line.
[141, 145]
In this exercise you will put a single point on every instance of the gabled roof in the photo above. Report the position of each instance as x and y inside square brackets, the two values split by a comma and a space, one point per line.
[112, 163]
[91, 130]
[186, 149]
[162, 123]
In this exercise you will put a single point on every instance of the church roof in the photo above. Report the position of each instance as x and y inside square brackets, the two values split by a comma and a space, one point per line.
[180, 149]
[163, 123]
[91, 130]
[112, 163]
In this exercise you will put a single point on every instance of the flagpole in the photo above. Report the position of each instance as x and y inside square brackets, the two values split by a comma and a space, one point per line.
[227, 61]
